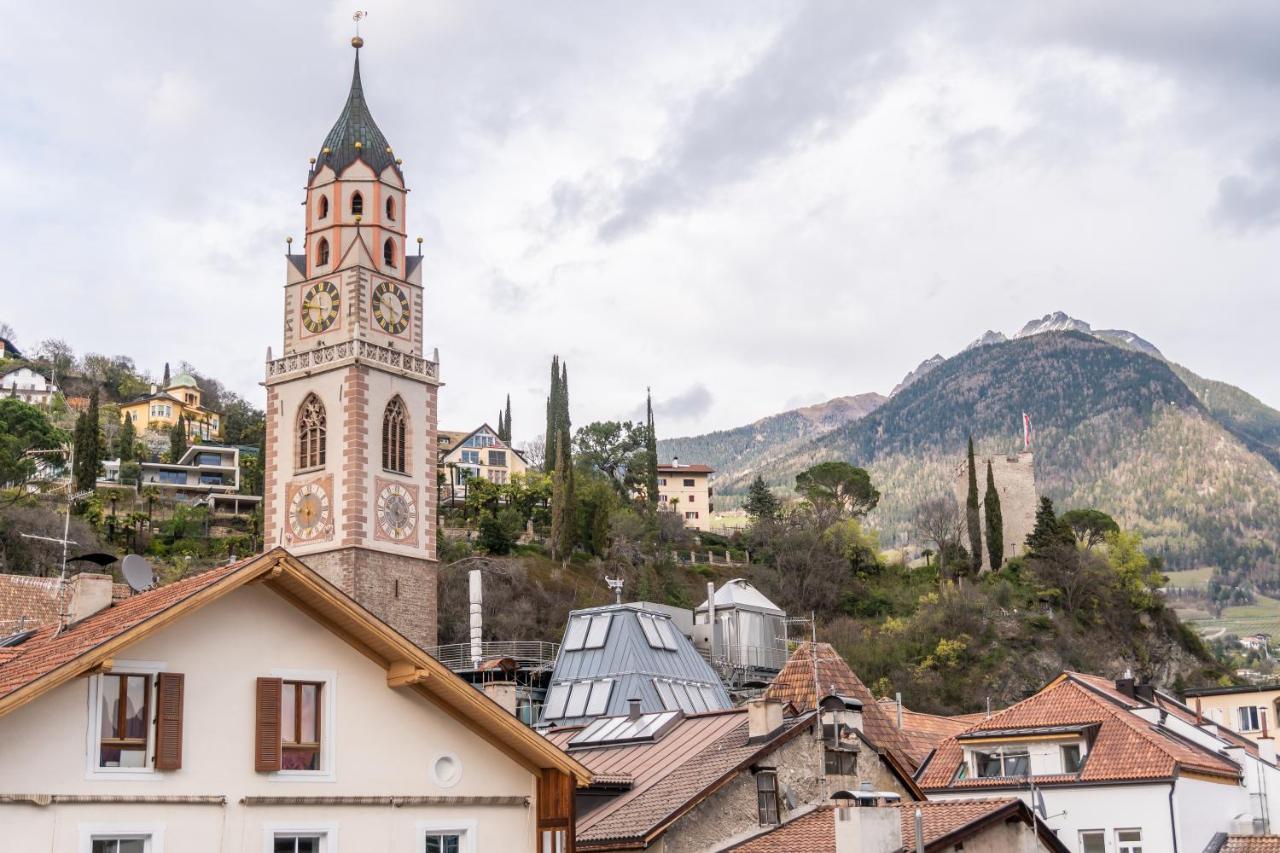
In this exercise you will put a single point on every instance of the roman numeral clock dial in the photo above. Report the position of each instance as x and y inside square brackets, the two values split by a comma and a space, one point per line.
[309, 511]
[390, 308]
[397, 515]
[320, 307]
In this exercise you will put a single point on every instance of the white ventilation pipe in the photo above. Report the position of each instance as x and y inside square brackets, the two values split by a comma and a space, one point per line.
[711, 616]
[477, 621]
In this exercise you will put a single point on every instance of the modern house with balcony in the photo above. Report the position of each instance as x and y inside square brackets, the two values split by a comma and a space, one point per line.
[206, 473]
[478, 454]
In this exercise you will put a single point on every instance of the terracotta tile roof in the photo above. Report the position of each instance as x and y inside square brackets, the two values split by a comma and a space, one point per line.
[1251, 844]
[668, 776]
[1125, 748]
[924, 732]
[795, 684]
[946, 822]
[29, 598]
[48, 650]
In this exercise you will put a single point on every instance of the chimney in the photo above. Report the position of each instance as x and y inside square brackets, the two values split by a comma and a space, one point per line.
[1266, 743]
[1146, 692]
[865, 823]
[1125, 685]
[633, 708]
[675, 461]
[502, 692]
[153, 388]
[87, 593]
[764, 717]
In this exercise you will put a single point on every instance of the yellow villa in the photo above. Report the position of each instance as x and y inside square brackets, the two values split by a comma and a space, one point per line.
[162, 408]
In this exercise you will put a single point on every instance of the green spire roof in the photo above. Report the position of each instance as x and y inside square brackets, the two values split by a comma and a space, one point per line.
[184, 380]
[356, 125]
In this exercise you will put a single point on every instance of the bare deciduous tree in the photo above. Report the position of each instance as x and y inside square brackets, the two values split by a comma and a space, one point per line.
[938, 521]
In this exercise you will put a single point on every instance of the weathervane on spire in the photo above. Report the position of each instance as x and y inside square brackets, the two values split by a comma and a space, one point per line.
[358, 42]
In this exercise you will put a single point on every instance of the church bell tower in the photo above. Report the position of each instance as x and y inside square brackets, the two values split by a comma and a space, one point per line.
[350, 475]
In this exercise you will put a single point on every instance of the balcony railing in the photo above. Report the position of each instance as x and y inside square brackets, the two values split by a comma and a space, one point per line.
[526, 653]
[353, 351]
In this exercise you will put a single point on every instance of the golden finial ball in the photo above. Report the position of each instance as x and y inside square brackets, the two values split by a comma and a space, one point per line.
[419, 241]
[289, 240]
[326, 150]
[357, 42]
[313, 160]
[358, 217]
[359, 145]
[399, 162]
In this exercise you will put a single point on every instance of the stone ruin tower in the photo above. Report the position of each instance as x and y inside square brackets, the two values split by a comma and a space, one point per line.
[1015, 478]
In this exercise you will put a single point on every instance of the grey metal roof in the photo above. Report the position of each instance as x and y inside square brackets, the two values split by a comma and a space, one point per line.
[356, 124]
[299, 262]
[632, 664]
[738, 594]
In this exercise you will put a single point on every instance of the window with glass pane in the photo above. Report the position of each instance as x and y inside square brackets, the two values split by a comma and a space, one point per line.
[125, 702]
[1093, 841]
[1071, 758]
[988, 764]
[309, 843]
[1249, 719]
[598, 632]
[556, 698]
[446, 843]
[300, 725]
[121, 844]
[599, 701]
[840, 762]
[667, 633]
[767, 796]
[1129, 841]
[577, 633]
[578, 694]
[1017, 762]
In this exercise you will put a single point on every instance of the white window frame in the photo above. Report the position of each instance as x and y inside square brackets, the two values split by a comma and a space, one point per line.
[1101, 833]
[1128, 848]
[92, 771]
[328, 833]
[1254, 712]
[466, 828]
[153, 833]
[328, 678]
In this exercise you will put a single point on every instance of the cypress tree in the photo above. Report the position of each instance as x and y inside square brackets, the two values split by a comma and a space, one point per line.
[995, 521]
[126, 439]
[972, 515]
[166, 375]
[651, 454]
[178, 439]
[88, 447]
[553, 414]
[506, 423]
[501, 427]
[562, 517]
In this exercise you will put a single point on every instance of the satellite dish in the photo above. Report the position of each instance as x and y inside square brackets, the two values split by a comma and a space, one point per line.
[1040, 807]
[137, 573]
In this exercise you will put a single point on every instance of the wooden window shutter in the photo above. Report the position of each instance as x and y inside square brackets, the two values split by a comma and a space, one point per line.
[266, 741]
[169, 695]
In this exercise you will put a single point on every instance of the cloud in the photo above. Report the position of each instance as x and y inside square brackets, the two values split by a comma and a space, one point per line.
[692, 403]
[1251, 202]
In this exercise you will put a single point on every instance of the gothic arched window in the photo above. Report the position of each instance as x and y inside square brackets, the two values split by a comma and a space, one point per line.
[394, 430]
[311, 433]
[391, 208]
[324, 207]
[322, 252]
[357, 204]
[389, 252]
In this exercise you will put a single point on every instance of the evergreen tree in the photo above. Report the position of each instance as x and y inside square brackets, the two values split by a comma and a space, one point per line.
[166, 375]
[126, 439]
[178, 439]
[1049, 531]
[761, 503]
[971, 514]
[501, 428]
[88, 443]
[506, 422]
[562, 516]
[995, 521]
[553, 414]
[651, 455]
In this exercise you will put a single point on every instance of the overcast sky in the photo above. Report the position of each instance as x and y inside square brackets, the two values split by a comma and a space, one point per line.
[747, 206]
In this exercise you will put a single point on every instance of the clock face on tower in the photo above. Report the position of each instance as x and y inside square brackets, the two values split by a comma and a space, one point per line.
[390, 308]
[320, 306]
[397, 514]
[309, 511]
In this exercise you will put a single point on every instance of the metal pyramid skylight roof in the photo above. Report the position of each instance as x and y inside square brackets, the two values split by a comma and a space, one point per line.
[739, 593]
[356, 127]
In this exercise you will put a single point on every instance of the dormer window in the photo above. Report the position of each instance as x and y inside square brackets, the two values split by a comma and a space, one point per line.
[324, 207]
[391, 208]
[357, 204]
[1009, 761]
[322, 252]
[389, 252]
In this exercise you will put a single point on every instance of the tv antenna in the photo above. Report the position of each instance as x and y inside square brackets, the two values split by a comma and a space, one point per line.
[615, 584]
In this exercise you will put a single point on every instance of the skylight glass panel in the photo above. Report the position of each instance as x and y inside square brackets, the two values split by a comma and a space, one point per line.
[651, 632]
[578, 694]
[577, 633]
[599, 631]
[682, 698]
[695, 697]
[599, 700]
[667, 633]
[605, 729]
[555, 701]
[666, 694]
[709, 697]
